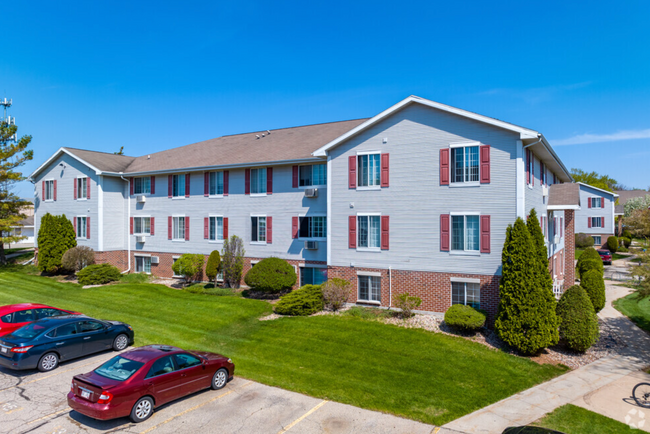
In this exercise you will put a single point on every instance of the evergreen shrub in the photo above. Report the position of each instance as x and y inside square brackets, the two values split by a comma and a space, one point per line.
[594, 284]
[626, 242]
[578, 321]
[465, 317]
[589, 260]
[55, 237]
[612, 244]
[301, 302]
[271, 275]
[190, 266]
[98, 274]
[212, 267]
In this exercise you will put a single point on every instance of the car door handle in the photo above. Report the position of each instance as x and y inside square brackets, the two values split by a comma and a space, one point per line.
[88, 337]
[60, 343]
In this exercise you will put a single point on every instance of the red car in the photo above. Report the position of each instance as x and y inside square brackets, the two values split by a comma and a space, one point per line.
[134, 382]
[606, 256]
[14, 316]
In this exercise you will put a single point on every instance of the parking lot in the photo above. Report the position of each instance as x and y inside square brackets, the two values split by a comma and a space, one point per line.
[35, 402]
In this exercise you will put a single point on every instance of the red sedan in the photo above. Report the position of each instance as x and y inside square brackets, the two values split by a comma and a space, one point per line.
[136, 381]
[606, 256]
[14, 316]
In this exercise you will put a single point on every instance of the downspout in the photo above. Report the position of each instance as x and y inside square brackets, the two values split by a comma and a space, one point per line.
[539, 137]
[128, 219]
[390, 286]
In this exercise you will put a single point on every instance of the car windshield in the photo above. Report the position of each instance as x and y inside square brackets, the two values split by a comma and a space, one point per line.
[603, 252]
[119, 368]
[29, 331]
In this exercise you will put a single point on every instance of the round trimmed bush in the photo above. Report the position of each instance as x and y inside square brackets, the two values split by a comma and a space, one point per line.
[627, 234]
[594, 284]
[578, 321]
[612, 244]
[590, 264]
[583, 240]
[271, 275]
[464, 317]
[626, 242]
[98, 274]
[301, 302]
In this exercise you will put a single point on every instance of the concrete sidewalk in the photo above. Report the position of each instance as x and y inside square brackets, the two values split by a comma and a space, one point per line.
[532, 404]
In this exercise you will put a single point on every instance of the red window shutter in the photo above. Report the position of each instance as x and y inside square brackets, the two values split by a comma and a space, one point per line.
[153, 185]
[225, 228]
[206, 230]
[527, 166]
[74, 223]
[602, 203]
[55, 189]
[352, 171]
[602, 222]
[588, 222]
[444, 232]
[131, 185]
[75, 188]
[87, 228]
[43, 186]
[532, 168]
[352, 236]
[169, 188]
[294, 227]
[88, 188]
[294, 182]
[187, 228]
[384, 170]
[153, 225]
[485, 164]
[247, 182]
[444, 166]
[226, 182]
[485, 234]
[169, 227]
[588, 202]
[269, 180]
[187, 185]
[269, 230]
[131, 224]
[385, 227]
[206, 183]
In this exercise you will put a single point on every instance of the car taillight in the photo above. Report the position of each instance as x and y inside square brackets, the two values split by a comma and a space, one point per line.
[72, 386]
[105, 398]
[21, 349]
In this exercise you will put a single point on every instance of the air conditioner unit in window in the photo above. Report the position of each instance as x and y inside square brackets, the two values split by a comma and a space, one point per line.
[311, 245]
[140, 239]
[141, 198]
[155, 259]
[545, 190]
[556, 239]
[311, 192]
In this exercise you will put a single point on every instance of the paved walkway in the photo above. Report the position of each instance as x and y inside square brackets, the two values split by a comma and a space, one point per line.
[532, 404]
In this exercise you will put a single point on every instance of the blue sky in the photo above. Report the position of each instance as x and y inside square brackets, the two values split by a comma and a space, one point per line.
[154, 75]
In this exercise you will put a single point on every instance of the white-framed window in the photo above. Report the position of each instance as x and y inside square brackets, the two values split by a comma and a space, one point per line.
[312, 275]
[174, 259]
[178, 228]
[81, 227]
[596, 202]
[369, 288]
[49, 190]
[468, 293]
[312, 227]
[143, 264]
[215, 228]
[465, 234]
[82, 188]
[178, 186]
[369, 231]
[142, 225]
[530, 161]
[369, 170]
[258, 229]
[465, 163]
[143, 185]
[216, 183]
[258, 181]
[597, 240]
[597, 222]
[315, 174]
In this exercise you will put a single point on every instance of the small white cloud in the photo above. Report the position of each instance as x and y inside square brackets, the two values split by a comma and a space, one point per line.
[582, 139]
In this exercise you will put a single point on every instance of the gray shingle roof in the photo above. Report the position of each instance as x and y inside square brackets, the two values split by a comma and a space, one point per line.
[103, 160]
[625, 195]
[567, 194]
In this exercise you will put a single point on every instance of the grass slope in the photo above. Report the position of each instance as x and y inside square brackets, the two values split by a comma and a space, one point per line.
[576, 420]
[425, 376]
[637, 310]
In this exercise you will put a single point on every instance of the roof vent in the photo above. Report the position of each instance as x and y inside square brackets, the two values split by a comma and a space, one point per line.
[148, 157]
[268, 132]
[257, 136]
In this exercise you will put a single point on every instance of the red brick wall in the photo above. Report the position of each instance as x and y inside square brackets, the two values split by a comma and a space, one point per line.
[569, 248]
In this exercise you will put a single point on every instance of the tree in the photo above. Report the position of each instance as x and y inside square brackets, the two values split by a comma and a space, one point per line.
[78, 258]
[120, 152]
[212, 268]
[522, 318]
[642, 272]
[232, 261]
[636, 203]
[594, 179]
[55, 237]
[638, 223]
[13, 154]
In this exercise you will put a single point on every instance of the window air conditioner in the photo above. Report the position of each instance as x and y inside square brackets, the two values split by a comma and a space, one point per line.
[557, 239]
[155, 260]
[545, 190]
[311, 192]
[141, 198]
[311, 245]
[140, 239]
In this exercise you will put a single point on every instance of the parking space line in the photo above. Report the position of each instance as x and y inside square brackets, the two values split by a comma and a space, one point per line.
[194, 408]
[295, 422]
[49, 415]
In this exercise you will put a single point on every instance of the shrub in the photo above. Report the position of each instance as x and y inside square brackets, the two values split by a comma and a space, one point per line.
[232, 261]
[77, 258]
[209, 289]
[407, 303]
[98, 274]
[578, 321]
[627, 234]
[212, 268]
[301, 302]
[135, 278]
[190, 266]
[626, 242]
[612, 244]
[271, 275]
[590, 254]
[335, 293]
[55, 237]
[583, 240]
[465, 317]
[594, 284]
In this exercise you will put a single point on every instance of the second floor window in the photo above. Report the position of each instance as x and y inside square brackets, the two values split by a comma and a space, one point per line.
[142, 225]
[464, 164]
[48, 190]
[315, 174]
[81, 227]
[215, 229]
[596, 202]
[258, 229]
[313, 227]
[216, 183]
[597, 222]
[82, 186]
[143, 185]
[178, 186]
[258, 181]
[369, 170]
[369, 231]
[465, 233]
[178, 228]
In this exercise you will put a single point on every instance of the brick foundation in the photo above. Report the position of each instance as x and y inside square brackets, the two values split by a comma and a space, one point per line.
[569, 248]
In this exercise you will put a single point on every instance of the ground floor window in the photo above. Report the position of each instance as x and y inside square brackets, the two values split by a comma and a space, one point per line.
[466, 293]
[369, 288]
[312, 276]
[143, 264]
[597, 240]
[174, 259]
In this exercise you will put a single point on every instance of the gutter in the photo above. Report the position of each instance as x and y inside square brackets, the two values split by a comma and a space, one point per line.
[128, 219]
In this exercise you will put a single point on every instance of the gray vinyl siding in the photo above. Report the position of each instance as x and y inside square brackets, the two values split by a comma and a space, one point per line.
[65, 203]
[554, 248]
[534, 191]
[584, 213]
[415, 199]
[115, 208]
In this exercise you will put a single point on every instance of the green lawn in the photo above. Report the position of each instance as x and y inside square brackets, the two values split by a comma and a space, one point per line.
[425, 376]
[578, 253]
[637, 310]
[571, 419]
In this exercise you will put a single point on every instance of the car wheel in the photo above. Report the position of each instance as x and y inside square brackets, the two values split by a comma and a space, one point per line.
[120, 342]
[142, 410]
[220, 379]
[48, 362]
